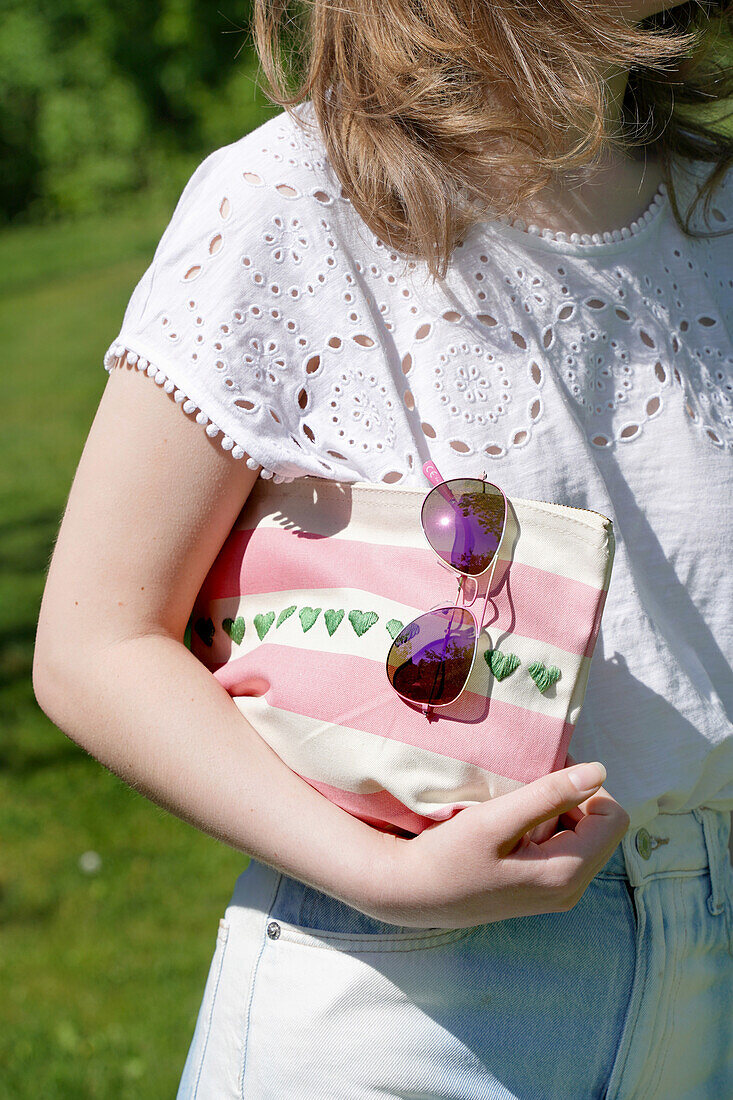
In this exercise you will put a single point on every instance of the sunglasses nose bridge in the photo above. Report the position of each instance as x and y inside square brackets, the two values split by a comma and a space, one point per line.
[463, 581]
[466, 585]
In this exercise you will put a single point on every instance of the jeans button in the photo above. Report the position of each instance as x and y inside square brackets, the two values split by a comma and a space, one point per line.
[273, 930]
[644, 844]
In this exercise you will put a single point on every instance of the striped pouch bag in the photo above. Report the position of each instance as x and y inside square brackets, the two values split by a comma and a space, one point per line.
[298, 612]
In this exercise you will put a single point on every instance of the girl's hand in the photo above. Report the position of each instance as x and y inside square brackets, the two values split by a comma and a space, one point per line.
[483, 865]
[547, 828]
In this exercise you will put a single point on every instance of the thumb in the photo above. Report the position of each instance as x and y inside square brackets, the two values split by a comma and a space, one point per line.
[521, 810]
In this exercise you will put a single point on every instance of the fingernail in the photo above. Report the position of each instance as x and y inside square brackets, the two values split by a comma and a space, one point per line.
[586, 777]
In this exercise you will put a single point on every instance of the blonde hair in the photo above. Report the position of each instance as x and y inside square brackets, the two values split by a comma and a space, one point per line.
[421, 102]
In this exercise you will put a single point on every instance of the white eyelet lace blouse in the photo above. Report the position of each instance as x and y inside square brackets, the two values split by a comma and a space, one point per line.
[595, 371]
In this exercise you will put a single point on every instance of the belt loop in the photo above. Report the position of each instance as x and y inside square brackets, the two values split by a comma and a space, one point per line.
[716, 904]
[631, 859]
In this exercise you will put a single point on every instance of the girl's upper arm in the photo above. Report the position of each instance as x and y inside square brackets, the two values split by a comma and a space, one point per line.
[152, 501]
[155, 495]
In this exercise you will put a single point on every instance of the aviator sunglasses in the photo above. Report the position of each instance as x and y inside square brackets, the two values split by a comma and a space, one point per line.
[431, 659]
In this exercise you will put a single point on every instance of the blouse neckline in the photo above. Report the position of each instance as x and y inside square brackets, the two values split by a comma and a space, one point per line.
[612, 240]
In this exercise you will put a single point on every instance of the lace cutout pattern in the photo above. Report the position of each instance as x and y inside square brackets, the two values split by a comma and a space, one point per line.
[622, 341]
[273, 314]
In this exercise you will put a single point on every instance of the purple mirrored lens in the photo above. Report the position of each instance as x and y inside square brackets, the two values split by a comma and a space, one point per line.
[431, 658]
[463, 521]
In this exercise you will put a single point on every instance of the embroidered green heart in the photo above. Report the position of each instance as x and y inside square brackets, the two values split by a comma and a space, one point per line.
[501, 664]
[205, 630]
[308, 616]
[407, 634]
[234, 628]
[394, 626]
[285, 614]
[263, 623]
[333, 617]
[544, 677]
[362, 620]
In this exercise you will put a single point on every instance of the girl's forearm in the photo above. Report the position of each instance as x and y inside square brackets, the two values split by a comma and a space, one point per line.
[155, 716]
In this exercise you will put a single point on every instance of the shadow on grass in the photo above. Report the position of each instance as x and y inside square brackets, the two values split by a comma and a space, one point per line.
[18, 759]
[28, 739]
[26, 542]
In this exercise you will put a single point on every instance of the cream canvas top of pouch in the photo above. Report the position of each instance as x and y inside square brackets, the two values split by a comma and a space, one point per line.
[298, 612]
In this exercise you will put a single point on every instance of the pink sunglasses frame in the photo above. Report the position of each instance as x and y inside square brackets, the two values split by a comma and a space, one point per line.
[433, 475]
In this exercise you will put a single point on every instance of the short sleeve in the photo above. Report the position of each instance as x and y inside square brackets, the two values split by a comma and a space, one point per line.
[201, 324]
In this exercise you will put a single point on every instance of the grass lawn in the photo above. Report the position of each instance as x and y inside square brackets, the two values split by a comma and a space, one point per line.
[101, 972]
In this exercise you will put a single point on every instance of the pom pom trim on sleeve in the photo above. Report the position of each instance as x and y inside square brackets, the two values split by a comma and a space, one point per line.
[116, 351]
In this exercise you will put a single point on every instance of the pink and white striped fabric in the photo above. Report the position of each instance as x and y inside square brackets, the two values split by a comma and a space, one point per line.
[299, 610]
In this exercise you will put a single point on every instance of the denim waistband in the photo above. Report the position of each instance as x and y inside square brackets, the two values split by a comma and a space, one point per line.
[675, 844]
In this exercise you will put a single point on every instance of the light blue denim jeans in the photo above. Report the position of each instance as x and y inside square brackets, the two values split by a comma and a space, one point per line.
[628, 996]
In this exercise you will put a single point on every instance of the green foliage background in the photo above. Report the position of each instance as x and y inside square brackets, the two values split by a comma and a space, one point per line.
[100, 100]
[105, 110]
